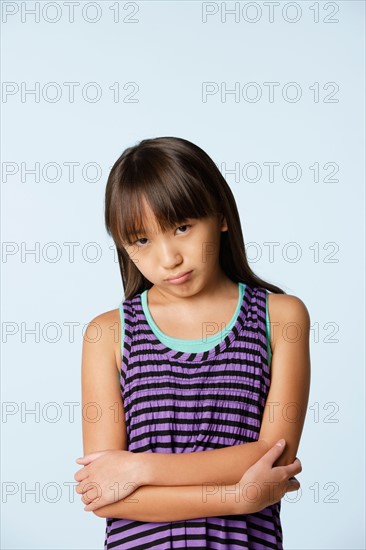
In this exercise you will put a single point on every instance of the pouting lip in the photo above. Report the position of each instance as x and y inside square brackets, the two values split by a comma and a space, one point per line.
[178, 275]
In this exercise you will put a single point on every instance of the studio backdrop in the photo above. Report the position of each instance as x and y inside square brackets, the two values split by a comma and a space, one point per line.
[274, 93]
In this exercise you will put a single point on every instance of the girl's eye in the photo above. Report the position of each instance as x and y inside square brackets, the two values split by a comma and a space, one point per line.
[142, 239]
[138, 243]
[185, 225]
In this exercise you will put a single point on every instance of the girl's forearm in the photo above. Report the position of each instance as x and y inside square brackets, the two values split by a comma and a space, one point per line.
[161, 504]
[189, 485]
[220, 466]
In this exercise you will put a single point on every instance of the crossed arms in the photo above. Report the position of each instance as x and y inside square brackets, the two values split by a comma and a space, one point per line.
[162, 497]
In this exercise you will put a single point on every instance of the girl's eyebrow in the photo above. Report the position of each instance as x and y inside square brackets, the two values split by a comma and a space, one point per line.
[135, 230]
[138, 231]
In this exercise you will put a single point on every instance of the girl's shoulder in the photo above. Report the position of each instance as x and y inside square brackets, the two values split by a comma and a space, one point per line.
[107, 326]
[287, 301]
[284, 311]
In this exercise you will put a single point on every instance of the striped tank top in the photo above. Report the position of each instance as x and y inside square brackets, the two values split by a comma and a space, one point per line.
[183, 396]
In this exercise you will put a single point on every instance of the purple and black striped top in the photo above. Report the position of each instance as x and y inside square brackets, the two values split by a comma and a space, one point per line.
[186, 401]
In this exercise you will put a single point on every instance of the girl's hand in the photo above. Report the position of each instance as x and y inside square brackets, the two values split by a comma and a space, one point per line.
[263, 485]
[107, 476]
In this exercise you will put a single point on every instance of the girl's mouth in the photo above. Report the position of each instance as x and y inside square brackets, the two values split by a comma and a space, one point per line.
[182, 279]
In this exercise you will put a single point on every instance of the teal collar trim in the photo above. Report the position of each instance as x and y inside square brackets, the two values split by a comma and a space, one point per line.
[199, 344]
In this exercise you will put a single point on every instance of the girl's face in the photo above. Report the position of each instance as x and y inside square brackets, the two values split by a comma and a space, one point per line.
[192, 247]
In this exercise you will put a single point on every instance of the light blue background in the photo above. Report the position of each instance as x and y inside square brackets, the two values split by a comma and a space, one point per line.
[169, 53]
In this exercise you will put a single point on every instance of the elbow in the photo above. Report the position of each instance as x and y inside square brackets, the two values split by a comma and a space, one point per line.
[286, 458]
[99, 513]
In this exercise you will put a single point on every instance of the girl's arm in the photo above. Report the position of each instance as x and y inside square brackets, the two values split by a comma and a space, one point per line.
[287, 400]
[260, 486]
[161, 504]
[103, 420]
[101, 386]
[104, 427]
[283, 416]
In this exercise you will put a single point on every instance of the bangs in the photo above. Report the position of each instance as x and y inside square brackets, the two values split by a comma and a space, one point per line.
[165, 182]
[173, 193]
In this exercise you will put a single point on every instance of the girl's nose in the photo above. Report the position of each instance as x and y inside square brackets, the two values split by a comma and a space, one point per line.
[169, 255]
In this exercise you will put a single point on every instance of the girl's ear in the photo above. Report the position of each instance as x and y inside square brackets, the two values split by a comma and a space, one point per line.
[223, 223]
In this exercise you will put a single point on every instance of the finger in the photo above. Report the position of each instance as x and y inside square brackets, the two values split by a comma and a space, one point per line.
[90, 494]
[294, 468]
[92, 506]
[83, 488]
[87, 499]
[90, 457]
[81, 475]
[293, 485]
[84, 460]
[274, 452]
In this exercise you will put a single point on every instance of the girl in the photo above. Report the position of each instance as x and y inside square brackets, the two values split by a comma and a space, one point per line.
[183, 409]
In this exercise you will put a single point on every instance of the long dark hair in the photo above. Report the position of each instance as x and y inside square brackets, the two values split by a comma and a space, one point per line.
[179, 181]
